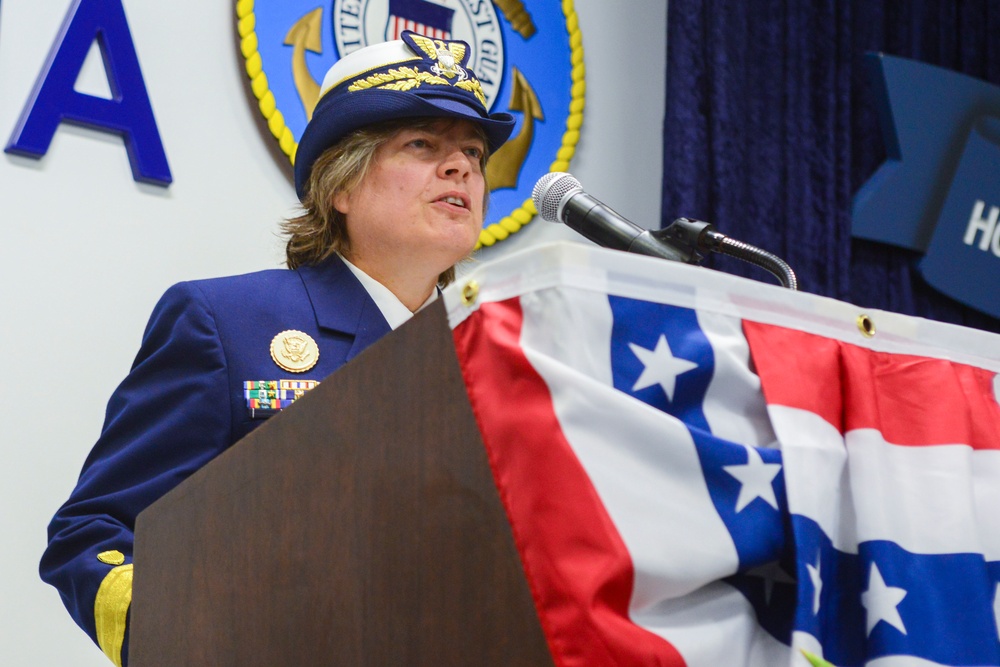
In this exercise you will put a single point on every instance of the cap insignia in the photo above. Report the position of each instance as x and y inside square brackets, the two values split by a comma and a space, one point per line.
[448, 55]
[442, 64]
[294, 351]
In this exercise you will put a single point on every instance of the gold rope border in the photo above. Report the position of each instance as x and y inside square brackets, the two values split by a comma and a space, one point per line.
[246, 27]
[521, 216]
[498, 231]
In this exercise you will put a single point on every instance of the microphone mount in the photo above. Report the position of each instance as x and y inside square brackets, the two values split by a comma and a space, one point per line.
[702, 237]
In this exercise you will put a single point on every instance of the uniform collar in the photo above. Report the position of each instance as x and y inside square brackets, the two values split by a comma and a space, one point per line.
[341, 303]
[392, 309]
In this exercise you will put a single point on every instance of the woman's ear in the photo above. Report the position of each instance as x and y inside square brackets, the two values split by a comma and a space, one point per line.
[341, 202]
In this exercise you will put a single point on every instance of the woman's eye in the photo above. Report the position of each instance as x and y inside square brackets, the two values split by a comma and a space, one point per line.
[418, 143]
[474, 152]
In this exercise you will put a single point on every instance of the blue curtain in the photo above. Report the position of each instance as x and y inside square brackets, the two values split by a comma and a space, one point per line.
[771, 126]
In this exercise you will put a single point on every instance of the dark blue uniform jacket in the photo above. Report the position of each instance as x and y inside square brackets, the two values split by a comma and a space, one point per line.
[183, 402]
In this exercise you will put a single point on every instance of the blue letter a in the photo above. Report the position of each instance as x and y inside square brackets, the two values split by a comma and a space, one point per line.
[128, 113]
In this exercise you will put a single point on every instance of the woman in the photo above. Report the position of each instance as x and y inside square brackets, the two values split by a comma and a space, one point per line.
[391, 175]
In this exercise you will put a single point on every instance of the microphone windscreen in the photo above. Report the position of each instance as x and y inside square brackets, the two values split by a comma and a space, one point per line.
[549, 192]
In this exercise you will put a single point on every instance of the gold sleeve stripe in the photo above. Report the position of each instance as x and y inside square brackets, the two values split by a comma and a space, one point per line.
[111, 611]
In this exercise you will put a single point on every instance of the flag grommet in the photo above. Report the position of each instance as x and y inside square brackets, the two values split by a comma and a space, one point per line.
[866, 326]
[470, 292]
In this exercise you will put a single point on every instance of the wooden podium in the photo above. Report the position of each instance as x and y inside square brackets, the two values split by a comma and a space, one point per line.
[361, 526]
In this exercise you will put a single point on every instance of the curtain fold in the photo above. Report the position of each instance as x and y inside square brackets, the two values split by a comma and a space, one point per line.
[771, 126]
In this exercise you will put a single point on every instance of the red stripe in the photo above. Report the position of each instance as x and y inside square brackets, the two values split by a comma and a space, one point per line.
[911, 400]
[576, 563]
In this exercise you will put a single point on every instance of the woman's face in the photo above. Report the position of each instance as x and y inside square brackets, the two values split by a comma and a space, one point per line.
[421, 203]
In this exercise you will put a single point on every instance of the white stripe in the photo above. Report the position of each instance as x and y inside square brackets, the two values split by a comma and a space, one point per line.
[734, 405]
[815, 461]
[715, 626]
[804, 641]
[929, 500]
[996, 608]
[646, 471]
[986, 491]
[921, 498]
[903, 661]
[572, 327]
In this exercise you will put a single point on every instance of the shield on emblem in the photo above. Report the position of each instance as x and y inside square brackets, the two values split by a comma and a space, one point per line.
[420, 16]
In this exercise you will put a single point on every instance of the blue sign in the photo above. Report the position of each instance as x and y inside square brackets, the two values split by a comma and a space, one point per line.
[939, 189]
[963, 258]
[129, 112]
[528, 55]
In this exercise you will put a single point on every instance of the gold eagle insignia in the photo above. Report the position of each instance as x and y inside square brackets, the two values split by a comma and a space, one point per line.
[448, 55]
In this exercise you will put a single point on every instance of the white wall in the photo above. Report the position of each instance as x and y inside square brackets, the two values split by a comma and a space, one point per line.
[85, 251]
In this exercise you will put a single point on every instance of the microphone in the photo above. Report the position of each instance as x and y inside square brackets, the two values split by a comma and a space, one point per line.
[559, 197]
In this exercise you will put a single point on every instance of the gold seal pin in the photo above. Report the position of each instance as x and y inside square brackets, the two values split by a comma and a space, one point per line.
[294, 351]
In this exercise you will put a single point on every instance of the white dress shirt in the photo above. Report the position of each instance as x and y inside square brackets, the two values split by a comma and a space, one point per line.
[392, 309]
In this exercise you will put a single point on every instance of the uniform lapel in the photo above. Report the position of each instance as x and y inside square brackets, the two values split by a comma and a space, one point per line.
[341, 303]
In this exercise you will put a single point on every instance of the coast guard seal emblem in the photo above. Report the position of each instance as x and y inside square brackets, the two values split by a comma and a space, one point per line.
[528, 55]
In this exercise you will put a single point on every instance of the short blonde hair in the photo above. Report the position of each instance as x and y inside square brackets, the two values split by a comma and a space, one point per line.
[321, 230]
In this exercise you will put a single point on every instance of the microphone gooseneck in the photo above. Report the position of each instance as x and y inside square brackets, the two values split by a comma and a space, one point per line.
[770, 262]
[559, 197]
